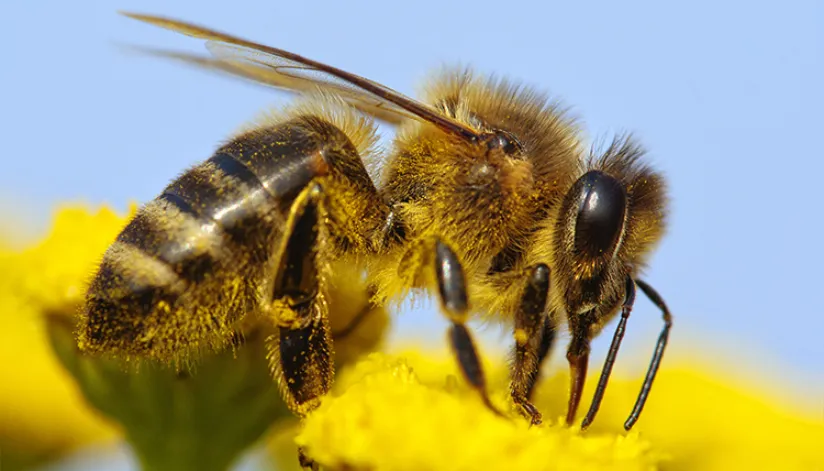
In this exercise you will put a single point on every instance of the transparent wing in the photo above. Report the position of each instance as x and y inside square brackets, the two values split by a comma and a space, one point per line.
[283, 69]
[267, 77]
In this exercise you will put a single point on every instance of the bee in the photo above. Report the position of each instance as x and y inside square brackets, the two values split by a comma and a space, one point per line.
[486, 198]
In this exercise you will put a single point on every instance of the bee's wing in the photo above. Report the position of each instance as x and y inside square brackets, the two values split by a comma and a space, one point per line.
[283, 69]
[256, 73]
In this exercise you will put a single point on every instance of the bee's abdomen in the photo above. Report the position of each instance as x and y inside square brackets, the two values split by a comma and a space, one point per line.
[193, 260]
[164, 277]
[188, 264]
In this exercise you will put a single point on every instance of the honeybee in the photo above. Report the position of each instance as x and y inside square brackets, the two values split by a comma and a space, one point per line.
[487, 199]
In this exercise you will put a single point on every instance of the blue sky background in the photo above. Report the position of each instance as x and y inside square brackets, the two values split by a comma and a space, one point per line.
[726, 96]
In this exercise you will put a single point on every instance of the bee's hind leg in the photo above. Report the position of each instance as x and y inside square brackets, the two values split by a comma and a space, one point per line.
[300, 352]
[454, 303]
[534, 335]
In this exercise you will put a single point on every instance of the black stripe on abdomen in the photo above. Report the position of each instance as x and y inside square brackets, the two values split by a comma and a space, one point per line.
[226, 193]
[220, 189]
[157, 233]
[179, 203]
[286, 157]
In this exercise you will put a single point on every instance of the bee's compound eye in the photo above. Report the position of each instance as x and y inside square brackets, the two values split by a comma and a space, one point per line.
[506, 142]
[601, 211]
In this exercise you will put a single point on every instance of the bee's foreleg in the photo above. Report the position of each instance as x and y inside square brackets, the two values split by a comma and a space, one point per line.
[534, 334]
[454, 303]
[301, 353]
[656, 357]
[626, 308]
[581, 328]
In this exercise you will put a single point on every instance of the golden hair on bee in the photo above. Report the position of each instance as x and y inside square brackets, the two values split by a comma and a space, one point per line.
[361, 129]
[462, 190]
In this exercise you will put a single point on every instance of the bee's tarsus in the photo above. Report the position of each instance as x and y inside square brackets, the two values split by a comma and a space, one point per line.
[304, 364]
[470, 363]
[467, 355]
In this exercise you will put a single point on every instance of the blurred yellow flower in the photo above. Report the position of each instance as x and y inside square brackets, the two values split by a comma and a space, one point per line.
[198, 419]
[174, 420]
[41, 411]
[408, 411]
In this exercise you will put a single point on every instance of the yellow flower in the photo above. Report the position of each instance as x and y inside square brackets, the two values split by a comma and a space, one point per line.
[41, 412]
[409, 412]
[174, 420]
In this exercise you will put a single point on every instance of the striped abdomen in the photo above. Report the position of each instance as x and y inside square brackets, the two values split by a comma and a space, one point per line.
[197, 258]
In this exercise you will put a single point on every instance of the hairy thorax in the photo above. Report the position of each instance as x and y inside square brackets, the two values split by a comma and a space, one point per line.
[476, 199]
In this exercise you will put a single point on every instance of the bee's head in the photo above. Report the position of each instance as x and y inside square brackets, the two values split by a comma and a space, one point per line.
[608, 222]
[592, 229]
[590, 233]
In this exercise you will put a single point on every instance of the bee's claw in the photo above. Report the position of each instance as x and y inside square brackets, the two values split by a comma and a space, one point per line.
[529, 411]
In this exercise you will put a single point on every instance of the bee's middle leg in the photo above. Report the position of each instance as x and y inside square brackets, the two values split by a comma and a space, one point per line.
[451, 281]
[534, 335]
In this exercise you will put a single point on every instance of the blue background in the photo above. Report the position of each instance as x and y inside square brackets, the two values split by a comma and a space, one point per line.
[726, 96]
